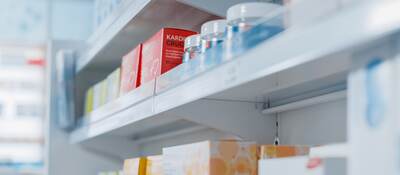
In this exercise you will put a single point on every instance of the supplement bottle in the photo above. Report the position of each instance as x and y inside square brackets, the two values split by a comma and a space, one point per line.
[250, 23]
[212, 33]
[212, 36]
[192, 47]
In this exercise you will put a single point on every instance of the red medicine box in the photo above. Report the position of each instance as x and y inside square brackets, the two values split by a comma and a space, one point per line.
[130, 70]
[162, 52]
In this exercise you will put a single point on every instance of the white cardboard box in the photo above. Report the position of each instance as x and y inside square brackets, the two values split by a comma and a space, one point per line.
[372, 126]
[301, 166]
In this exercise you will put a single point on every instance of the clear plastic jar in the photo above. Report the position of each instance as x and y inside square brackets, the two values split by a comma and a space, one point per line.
[244, 17]
[192, 47]
[212, 33]
[212, 36]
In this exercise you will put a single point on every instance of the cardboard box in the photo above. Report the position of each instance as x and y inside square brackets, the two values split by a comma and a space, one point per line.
[113, 83]
[88, 101]
[274, 151]
[154, 165]
[135, 166]
[131, 70]
[97, 91]
[330, 151]
[211, 158]
[303, 166]
[373, 121]
[104, 92]
[162, 52]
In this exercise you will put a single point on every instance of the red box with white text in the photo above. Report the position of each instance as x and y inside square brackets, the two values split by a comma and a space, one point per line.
[162, 52]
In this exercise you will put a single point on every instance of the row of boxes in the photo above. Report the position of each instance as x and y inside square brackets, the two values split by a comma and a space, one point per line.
[159, 54]
[210, 158]
[239, 158]
[104, 91]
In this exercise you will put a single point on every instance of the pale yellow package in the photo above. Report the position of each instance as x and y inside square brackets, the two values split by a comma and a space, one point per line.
[280, 151]
[211, 158]
[154, 165]
[135, 166]
[89, 101]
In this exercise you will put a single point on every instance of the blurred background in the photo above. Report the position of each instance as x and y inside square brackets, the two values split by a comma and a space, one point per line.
[25, 27]
[323, 73]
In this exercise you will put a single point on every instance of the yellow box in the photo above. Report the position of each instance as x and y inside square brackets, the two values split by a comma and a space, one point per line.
[211, 158]
[136, 166]
[154, 165]
[89, 101]
[279, 151]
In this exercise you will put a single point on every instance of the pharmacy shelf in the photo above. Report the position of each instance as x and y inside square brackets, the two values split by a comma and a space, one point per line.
[299, 63]
[136, 21]
[11, 171]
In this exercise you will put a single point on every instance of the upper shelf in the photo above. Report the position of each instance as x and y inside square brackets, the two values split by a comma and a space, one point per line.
[296, 62]
[134, 22]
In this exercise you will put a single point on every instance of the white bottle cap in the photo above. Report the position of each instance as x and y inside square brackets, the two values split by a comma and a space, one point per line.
[250, 9]
[192, 41]
[214, 26]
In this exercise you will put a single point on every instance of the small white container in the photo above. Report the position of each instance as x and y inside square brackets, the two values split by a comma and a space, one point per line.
[212, 33]
[245, 16]
[192, 47]
[241, 17]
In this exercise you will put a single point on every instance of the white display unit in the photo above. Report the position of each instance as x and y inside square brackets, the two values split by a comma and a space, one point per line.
[297, 79]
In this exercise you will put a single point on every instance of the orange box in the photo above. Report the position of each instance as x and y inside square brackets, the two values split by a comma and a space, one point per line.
[154, 165]
[130, 70]
[279, 151]
[136, 166]
[211, 158]
[162, 52]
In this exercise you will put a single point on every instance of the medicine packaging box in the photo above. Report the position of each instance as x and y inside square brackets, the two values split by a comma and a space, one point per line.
[279, 151]
[97, 95]
[131, 70]
[104, 92]
[113, 83]
[302, 165]
[154, 165]
[211, 158]
[373, 120]
[162, 52]
[135, 166]
[88, 101]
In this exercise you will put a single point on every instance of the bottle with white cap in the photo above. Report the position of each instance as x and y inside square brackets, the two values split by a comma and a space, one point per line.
[212, 33]
[192, 47]
[243, 17]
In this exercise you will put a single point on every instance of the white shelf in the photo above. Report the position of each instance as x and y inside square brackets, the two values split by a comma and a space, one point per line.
[109, 29]
[297, 61]
[136, 21]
